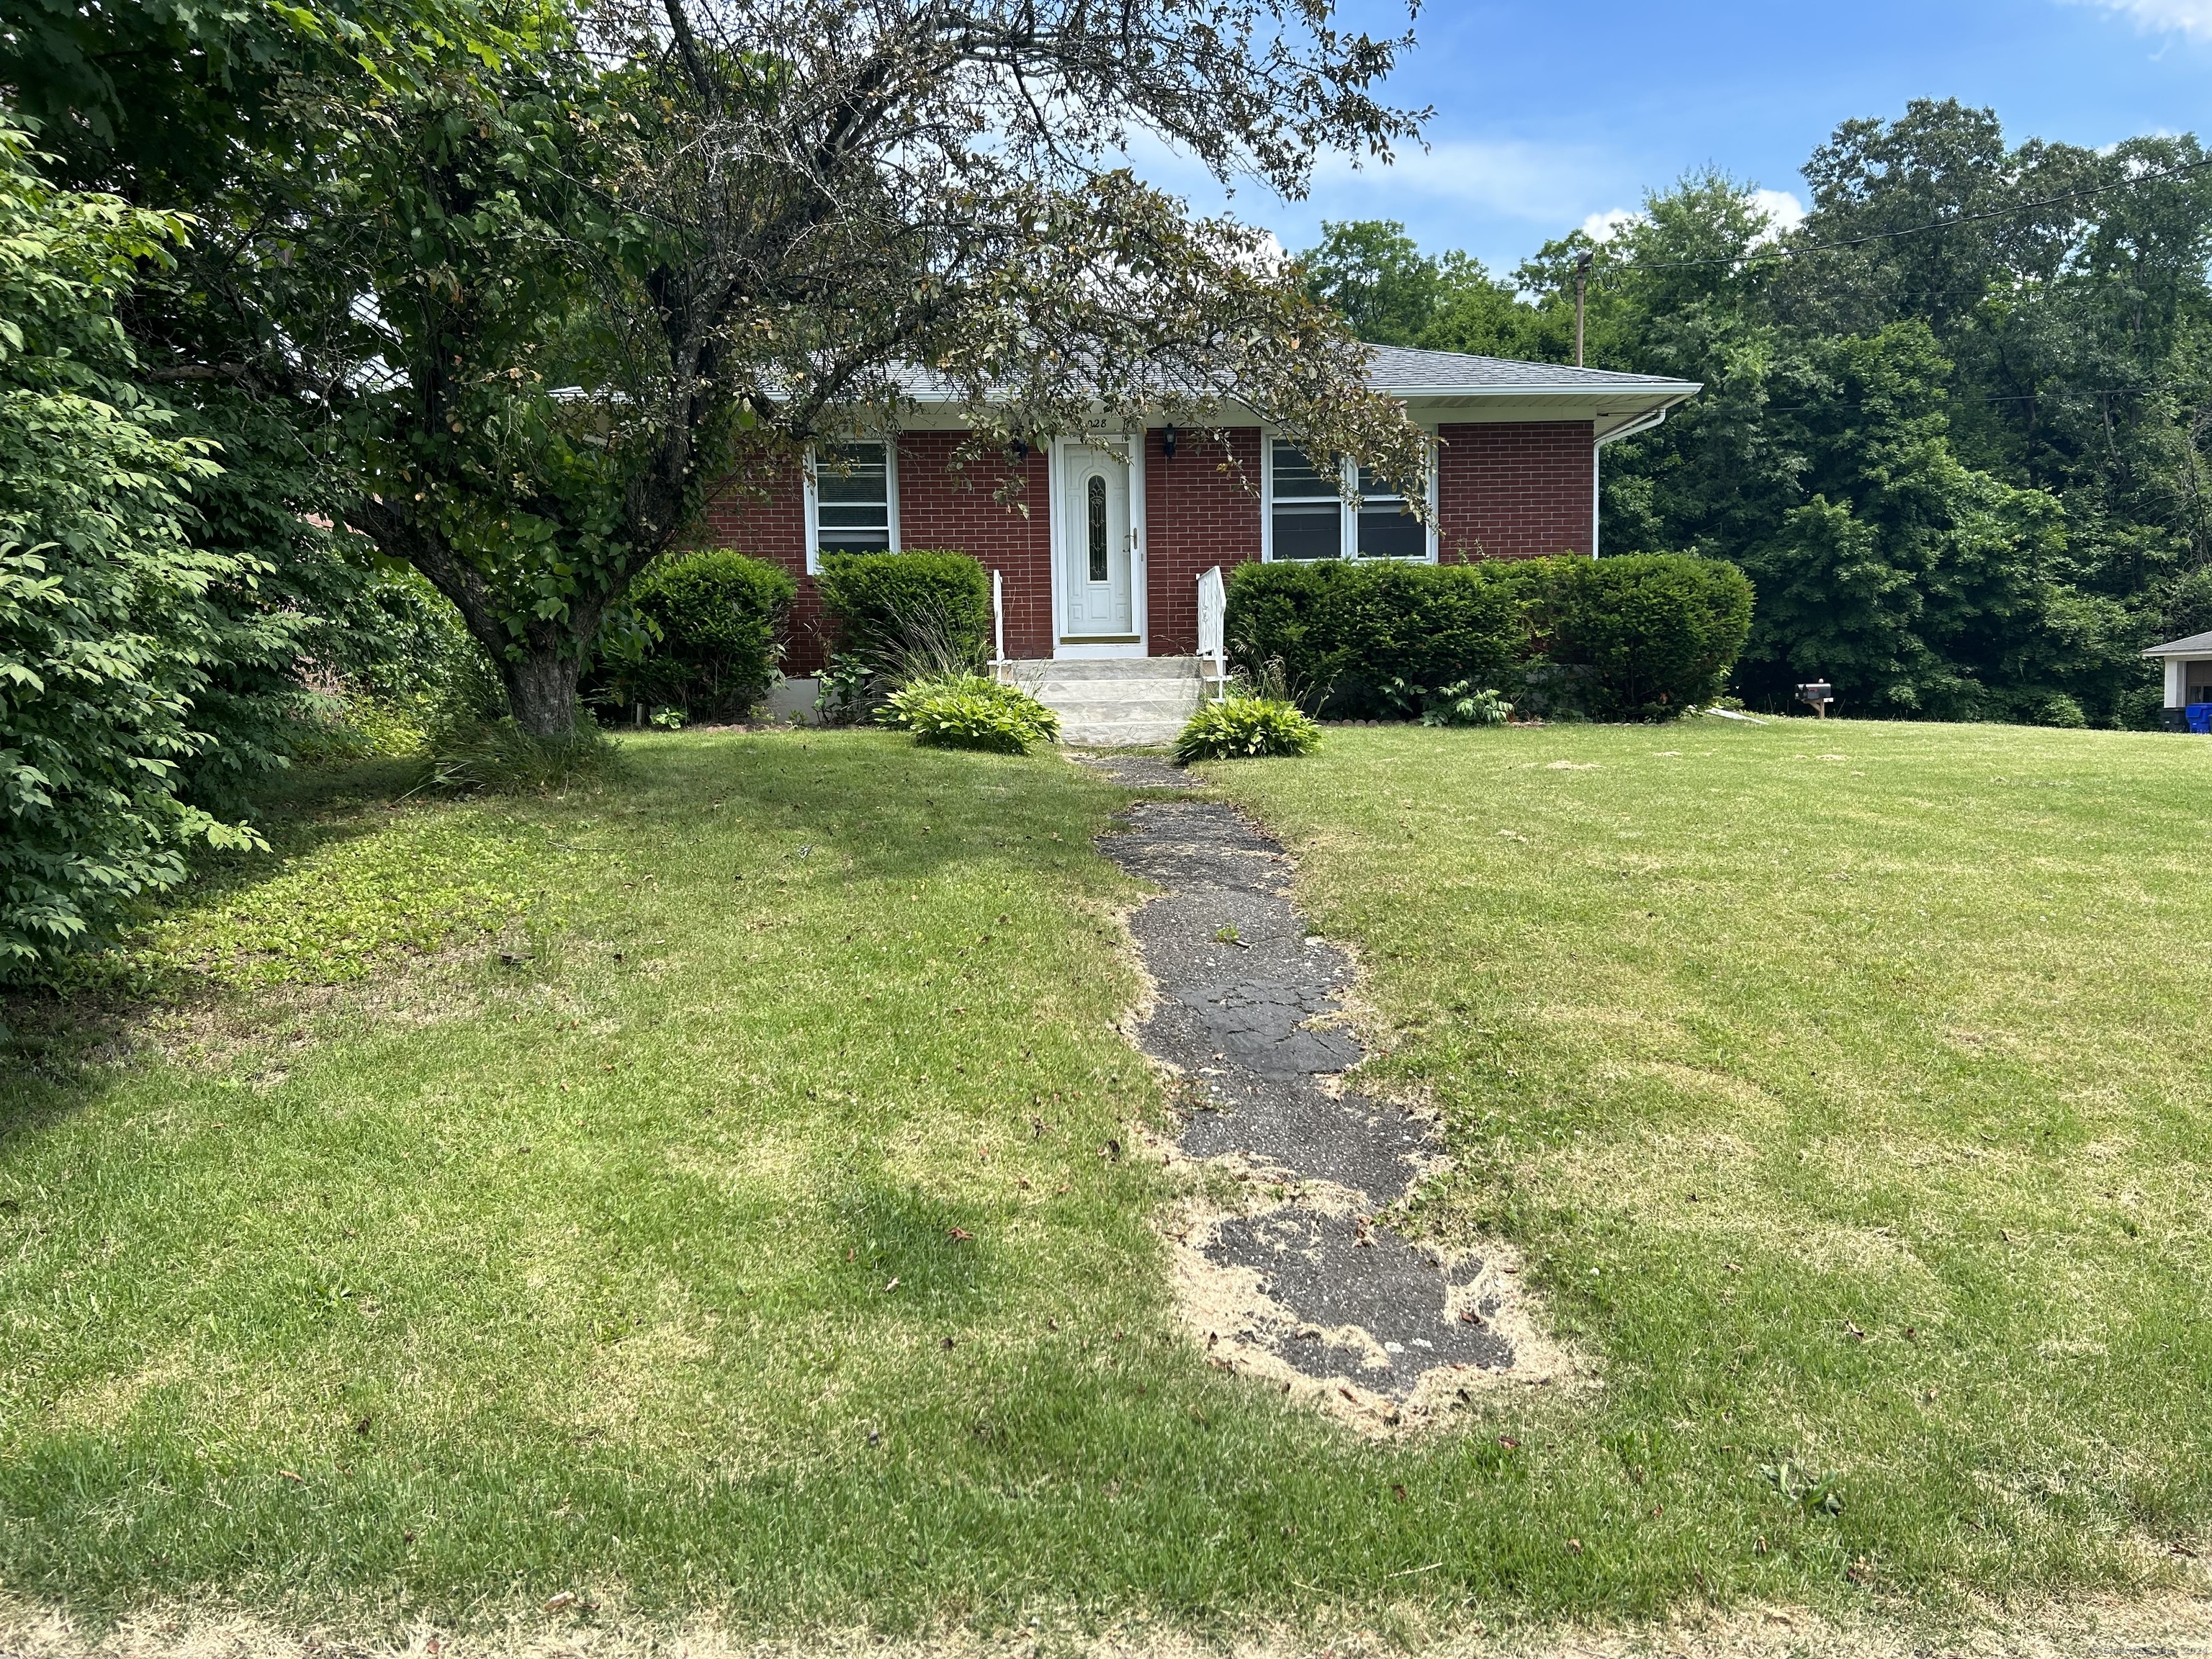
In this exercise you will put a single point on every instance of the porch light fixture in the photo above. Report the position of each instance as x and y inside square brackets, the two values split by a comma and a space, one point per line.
[1167, 442]
[1019, 449]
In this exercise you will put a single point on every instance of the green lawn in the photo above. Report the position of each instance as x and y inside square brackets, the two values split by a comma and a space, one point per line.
[698, 1194]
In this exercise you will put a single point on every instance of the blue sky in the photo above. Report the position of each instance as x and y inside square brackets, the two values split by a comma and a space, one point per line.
[1547, 115]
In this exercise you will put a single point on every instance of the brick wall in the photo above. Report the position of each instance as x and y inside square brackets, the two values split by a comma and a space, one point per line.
[1199, 512]
[1517, 490]
[764, 514]
[941, 509]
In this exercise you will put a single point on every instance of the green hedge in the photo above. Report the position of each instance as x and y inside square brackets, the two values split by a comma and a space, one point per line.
[720, 619]
[889, 609]
[1651, 632]
[1635, 638]
[1354, 639]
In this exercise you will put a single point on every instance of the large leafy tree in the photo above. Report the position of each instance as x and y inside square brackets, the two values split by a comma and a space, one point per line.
[223, 112]
[533, 294]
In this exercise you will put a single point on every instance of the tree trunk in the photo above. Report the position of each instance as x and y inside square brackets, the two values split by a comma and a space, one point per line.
[541, 689]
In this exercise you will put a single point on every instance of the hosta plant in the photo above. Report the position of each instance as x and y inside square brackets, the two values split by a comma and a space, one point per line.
[970, 711]
[1247, 725]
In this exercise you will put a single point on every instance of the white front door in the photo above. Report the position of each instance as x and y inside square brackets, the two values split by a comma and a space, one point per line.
[1095, 545]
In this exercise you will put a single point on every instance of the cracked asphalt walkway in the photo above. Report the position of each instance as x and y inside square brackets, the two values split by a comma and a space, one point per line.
[1247, 1001]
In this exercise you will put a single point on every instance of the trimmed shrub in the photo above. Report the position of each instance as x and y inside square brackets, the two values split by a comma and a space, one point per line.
[1640, 637]
[721, 617]
[1651, 634]
[970, 711]
[889, 609]
[1246, 726]
[1354, 639]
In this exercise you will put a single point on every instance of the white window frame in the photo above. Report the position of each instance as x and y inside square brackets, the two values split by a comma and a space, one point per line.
[814, 498]
[1347, 521]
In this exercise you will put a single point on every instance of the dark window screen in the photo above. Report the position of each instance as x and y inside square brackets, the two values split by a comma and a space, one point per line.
[1386, 530]
[1307, 517]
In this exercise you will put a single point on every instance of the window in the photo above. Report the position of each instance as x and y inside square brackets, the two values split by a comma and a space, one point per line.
[853, 491]
[1307, 518]
[1096, 527]
[1306, 514]
[1386, 529]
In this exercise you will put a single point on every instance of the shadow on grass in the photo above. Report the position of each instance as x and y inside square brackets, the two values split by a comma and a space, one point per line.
[64, 1040]
[894, 810]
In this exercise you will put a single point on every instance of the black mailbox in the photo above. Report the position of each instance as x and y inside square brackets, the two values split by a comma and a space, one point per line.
[1819, 693]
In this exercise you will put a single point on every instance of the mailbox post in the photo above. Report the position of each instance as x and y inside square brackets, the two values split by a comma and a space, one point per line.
[1819, 694]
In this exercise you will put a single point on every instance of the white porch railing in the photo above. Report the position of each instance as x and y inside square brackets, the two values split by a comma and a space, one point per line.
[1212, 618]
[999, 663]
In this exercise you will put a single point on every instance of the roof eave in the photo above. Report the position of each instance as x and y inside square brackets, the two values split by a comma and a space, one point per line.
[1676, 389]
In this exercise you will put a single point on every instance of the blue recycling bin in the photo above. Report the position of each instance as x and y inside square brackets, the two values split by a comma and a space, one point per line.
[2199, 716]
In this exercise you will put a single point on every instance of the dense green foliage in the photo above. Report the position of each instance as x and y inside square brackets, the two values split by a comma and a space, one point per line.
[1349, 636]
[1644, 634]
[1246, 725]
[711, 635]
[110, 618]
[970, 711]
[1965, 468]
[885, 609]
[1635, 638]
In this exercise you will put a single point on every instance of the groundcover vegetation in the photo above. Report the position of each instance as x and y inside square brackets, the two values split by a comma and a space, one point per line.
[765, 1231]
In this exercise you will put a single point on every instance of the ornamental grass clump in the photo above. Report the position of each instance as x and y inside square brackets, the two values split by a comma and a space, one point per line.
[1245, 726]
[970, 711]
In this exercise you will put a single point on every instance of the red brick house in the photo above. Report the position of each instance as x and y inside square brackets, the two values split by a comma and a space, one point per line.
[1100, 549]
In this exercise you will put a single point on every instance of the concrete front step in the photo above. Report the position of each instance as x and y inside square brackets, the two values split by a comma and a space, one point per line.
[1115, 702]
[1106, 668]
[1146, 735]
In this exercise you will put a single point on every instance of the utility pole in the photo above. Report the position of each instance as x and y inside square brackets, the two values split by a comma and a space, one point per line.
[1582, 276]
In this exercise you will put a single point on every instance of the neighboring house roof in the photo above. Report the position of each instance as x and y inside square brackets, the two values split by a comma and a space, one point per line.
[1445, 384]
[2197, 645]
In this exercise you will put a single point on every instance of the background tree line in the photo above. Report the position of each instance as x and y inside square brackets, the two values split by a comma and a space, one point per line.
[1965, 467]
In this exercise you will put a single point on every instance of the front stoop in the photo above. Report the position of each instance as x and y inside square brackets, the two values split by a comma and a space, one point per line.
[1114, 702]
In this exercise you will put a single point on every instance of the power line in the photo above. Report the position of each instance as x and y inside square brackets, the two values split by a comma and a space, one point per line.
[1787, 250]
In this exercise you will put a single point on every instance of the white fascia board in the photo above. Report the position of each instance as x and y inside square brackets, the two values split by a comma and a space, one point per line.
[1672, 390]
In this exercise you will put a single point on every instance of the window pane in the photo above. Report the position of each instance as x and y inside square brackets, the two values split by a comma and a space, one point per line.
[1309, 532]
[1386, 531]
[1297, 478]
[852, 541]
[852, 507]
[1097, 529]
[1373, 485]
[865, 475]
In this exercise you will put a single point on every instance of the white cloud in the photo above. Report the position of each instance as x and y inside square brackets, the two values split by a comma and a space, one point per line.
[2189, 17]
[1516, 181]
[1604, 227]
[1784, 211]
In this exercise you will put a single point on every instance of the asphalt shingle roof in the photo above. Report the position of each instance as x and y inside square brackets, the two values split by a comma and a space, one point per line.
[2194, 642]
[1397, 368]
[1404, 369]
